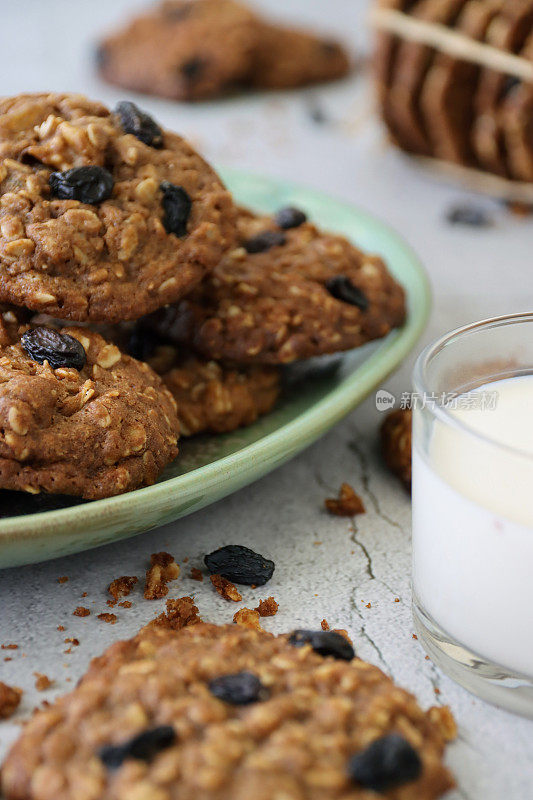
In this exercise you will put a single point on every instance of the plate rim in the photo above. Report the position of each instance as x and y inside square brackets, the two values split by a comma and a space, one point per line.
[299, 432]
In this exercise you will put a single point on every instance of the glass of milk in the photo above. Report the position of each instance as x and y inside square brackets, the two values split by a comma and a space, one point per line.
[473, 507]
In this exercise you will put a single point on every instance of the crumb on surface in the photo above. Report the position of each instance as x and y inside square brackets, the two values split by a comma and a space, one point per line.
[72, 640]
[84, 594]
[121, 587]
[62, 579]
[107, 617]
[9, 699]
[324, 625]
[347, 504]
[42, 682]
[267, 607]
[9, 646]
[396, 599]
[225, 588]
[81, 611]
[368, 605]
[126, 604]
[61, 628]
[162, 570]
[179, 614]
[249, 618]
[196, 574]
[415, 636]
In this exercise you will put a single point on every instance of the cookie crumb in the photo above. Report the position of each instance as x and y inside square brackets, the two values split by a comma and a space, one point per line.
[81, 611]
[396, 599]
[9, 700]
[72, 640]
[63, 579]
[324, 625]
[84, 594]
[248, 618]
[368, 605]
[196, 574]
[9, 647]
[179, 614]
[225, 588]
[162, 570]
[267, 607]
[348, 503]
[415, 636]
[126, 604]
[107, 617]
[121, 587]
[61, 628]
[442, 717]
[42, 682]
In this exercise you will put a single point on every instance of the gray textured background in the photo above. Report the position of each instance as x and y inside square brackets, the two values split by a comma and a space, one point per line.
[325, 568]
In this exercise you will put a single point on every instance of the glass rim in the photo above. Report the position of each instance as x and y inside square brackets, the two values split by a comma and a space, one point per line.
[420, 382]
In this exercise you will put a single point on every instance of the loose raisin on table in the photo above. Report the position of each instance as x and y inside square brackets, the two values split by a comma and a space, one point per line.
[264, 241]
[238, 689]
[325, 643]
[239, 564]
[177, 206]
[341, 288]
[143, 747]
[138, 123]
[86, 184]
[388, 762]
[290, 217]
[59, 349]
[469, 215]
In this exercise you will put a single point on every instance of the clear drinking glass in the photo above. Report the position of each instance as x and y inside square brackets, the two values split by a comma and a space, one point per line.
[473, 515]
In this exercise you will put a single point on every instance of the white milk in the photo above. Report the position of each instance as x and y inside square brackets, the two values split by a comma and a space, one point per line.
[473, 527]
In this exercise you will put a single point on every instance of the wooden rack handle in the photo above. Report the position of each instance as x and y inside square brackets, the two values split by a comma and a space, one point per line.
[451, 42]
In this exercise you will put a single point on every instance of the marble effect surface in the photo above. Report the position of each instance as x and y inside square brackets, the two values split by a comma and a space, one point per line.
[347, 571]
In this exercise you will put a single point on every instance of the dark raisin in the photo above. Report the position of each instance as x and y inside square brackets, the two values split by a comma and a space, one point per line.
[86, 184]
[329, 48]
[341, 288]
[239, 564]
[193, 69]
[238, 689]
[59, 349]
[469, 215]
[388, 762]
[290, 217]
[177, 206]
[325, 643]
[140, 124]
[178, 12]
[142, 343]
[264, 241]
[143, 747]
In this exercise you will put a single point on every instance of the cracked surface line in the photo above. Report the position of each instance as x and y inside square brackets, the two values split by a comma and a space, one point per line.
[362, 458]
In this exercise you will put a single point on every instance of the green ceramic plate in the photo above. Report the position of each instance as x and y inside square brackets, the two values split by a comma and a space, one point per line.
[317, 395]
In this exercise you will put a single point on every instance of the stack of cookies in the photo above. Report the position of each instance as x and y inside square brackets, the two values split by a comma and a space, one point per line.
[140, 302]
[454, 81]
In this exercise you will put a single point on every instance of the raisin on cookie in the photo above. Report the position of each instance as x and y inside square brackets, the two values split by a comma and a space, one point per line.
[287, 292]
[228, 713]
[104, 216]
[79, 417]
